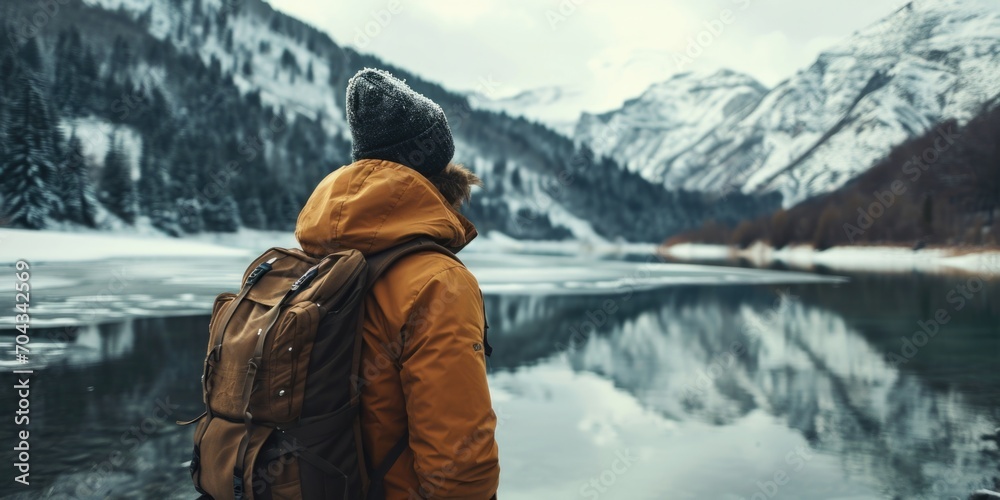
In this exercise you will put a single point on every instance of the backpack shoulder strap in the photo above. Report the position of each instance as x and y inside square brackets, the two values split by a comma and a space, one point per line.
[379, 263]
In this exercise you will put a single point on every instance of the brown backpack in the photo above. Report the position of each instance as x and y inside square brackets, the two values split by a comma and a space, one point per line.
[282, 381]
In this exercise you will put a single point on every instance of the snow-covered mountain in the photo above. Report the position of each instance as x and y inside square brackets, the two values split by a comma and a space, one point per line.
[929, 61]
[669, 119]
[554, 106]
[184, 116]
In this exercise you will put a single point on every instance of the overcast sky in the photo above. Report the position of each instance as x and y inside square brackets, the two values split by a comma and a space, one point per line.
[608, 51]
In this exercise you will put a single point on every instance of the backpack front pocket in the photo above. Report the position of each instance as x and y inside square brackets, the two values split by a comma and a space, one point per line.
[287, 361]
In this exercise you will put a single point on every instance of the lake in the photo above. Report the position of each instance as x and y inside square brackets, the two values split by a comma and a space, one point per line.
[617, 379]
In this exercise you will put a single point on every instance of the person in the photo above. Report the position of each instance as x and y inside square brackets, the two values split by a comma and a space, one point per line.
[423, 357]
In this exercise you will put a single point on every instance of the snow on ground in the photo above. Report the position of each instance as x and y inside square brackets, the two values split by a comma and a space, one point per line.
[53, 246]
[254, 240]
[698, 251]
[859, 259]
[495, 241]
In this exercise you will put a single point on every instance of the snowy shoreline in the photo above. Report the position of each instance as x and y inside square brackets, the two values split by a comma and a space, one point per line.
[91, 245]
[58, 246]
[881, 259]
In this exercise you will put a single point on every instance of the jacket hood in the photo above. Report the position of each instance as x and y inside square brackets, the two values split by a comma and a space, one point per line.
[372, 205]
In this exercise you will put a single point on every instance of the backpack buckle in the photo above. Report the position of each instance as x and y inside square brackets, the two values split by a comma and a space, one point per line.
[238, 491]
[305, 279]
[259, 272]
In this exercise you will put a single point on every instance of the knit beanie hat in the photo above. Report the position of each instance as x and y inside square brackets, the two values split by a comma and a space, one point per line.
[389, 121]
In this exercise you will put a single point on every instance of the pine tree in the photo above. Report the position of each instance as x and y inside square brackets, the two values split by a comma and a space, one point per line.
[187, 177]
[189, 216]
[154, 194]
[927, 216]
[78, 197]
[29, 173]
[69, 61]
[280, 209]
[3, 106]
[116, 189]
[150, 182]
[121, 55]
[145, 20]
[89, 86]
[221, 214]
[252, 213]
[4, 127]
[31, 55]
[8, 72]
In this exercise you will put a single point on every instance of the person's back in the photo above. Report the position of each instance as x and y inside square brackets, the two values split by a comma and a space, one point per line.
[423, 359]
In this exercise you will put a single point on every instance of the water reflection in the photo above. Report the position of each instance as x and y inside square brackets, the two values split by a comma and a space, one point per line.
[818, 359]
[102, 410]
[686, 392]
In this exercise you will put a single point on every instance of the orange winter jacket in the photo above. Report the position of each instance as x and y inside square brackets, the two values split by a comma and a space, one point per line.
[423, 361]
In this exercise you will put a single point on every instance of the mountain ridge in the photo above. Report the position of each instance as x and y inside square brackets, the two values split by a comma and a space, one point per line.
[928, 61]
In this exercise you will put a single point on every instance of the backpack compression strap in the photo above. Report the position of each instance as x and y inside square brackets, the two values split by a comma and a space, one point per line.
[216, 352]
[253, 365]
[213, 355]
